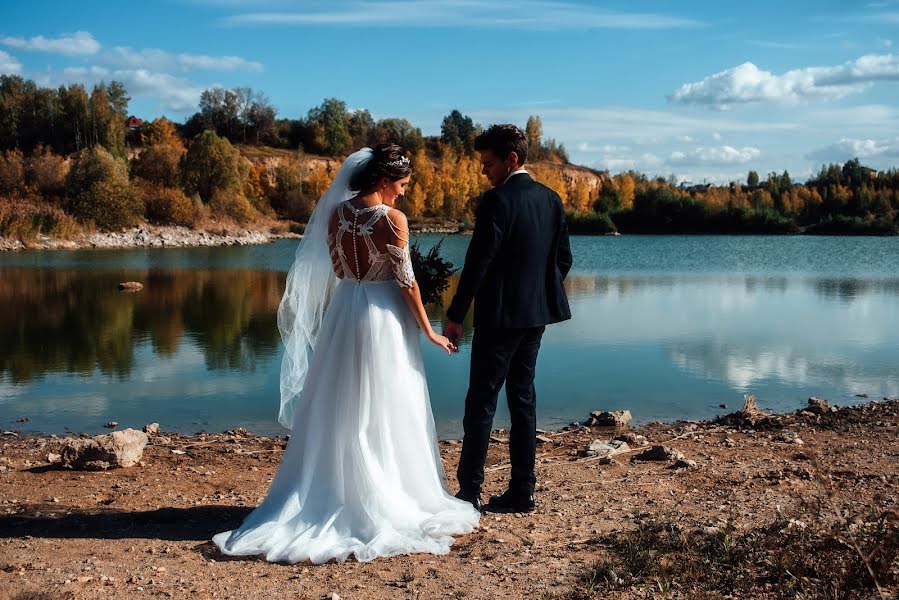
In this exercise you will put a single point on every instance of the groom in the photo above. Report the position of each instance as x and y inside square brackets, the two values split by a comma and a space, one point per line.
[514, 268]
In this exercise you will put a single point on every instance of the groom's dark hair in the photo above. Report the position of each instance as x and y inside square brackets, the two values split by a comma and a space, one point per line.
[502, 140]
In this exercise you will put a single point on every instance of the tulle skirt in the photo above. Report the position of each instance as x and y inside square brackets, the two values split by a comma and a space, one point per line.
[361, 474]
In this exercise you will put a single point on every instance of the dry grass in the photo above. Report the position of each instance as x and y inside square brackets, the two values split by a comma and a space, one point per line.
[27, 219]
[825, 550]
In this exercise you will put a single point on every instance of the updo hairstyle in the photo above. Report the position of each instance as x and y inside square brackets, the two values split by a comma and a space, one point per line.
[388, 160]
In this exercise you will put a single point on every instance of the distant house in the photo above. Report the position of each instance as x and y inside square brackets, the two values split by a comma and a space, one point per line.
[133, 124]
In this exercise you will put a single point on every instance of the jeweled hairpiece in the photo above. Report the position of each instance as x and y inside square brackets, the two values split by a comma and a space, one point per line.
[400, 162]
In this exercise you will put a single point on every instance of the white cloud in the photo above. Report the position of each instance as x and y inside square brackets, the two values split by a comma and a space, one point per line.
[80, 43]
[715, 155]
[747, 84]
[9, 64]
[159, 60]
[528, 14]
[172, 93]
[616, 163]
[847, 149]
[607, 148]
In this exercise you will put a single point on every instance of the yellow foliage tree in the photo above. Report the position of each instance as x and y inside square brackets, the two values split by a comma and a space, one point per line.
[318, 180]
[552, 177]
[580, 197]
[160, 131]
[415, 200]
[626, 188]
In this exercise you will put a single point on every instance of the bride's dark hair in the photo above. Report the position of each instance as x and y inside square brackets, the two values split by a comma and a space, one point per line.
[388, 160]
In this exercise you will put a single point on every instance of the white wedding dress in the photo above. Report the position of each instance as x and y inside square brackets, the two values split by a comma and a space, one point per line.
[361, 474]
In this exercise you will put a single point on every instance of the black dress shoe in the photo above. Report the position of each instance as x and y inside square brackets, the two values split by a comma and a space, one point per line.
[473, 497]
[511, 502]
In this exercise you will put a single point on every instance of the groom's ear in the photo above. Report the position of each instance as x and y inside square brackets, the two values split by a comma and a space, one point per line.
[513, 158]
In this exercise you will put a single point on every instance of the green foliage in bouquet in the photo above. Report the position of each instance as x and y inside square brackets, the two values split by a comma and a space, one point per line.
[432, 272]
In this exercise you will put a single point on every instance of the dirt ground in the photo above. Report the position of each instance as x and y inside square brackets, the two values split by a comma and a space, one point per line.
[144, 531]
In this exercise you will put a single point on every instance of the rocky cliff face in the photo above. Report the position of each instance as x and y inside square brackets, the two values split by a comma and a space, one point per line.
[571, 175]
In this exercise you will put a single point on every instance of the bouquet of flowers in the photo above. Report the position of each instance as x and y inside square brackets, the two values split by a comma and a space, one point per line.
[432, 272]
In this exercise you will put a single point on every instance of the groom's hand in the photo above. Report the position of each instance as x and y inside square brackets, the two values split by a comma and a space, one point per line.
[453, 331]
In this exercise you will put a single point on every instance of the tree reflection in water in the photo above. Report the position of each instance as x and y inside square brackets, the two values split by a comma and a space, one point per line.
[76, 321]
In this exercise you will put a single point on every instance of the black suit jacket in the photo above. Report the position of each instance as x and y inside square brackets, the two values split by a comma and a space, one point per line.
[517, 259]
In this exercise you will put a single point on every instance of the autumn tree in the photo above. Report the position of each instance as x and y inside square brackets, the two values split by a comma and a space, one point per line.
[12, 172]
[533, 131]
[45, 172]
[160, 131]
[458, 130]
[398, 131]
[415, 201]
[360, 124]
[331, 120]
[211, 164]
[160, 164]
[98, 190]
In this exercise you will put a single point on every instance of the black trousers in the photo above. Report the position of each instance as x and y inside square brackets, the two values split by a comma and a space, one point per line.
[498, 356]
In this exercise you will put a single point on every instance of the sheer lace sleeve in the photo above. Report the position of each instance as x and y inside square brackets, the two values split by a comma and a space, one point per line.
[402, 265]
[400, 258]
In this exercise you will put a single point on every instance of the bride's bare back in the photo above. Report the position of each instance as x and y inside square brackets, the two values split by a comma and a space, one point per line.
[370, 244]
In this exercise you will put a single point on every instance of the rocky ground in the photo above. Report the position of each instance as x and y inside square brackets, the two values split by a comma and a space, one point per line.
[152, 236]
[802, 505]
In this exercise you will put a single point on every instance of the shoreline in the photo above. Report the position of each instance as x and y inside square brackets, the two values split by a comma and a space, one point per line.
[152, 236]
[175, 236]
[574, 425]
[747, 504]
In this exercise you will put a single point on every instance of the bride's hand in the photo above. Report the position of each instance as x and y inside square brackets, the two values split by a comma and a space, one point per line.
[443, 342]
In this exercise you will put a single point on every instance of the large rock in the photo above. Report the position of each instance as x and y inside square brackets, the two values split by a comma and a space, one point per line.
[659, 452]
[604, 449]
[117, 449]
[633, 439]
[817, 405]
[606, 418]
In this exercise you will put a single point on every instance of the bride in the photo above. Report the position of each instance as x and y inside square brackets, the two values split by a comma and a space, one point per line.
[361, 473]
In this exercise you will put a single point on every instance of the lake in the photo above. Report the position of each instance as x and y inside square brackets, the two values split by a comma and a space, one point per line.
[668, 327]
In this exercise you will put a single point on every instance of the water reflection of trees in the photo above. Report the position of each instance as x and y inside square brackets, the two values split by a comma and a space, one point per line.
[76, 321]
[828, 288]
[847, 289]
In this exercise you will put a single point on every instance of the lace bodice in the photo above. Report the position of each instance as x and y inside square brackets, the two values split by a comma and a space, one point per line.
[360, 250]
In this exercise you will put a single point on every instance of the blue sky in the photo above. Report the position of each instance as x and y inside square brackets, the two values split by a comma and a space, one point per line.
[703, 90]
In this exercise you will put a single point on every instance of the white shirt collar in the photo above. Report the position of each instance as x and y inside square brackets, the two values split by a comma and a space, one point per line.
[516, 172]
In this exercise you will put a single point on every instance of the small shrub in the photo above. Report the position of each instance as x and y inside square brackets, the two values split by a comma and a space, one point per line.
[590, 223]
[845, 225]
[159, 164]
[12, 172]
[168, 206]
[98, 190]
[231, 204]
[46, 172]
[296, 205]
[26, 220]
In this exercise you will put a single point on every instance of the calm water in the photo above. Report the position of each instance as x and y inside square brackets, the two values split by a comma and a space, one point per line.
[668, 327]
